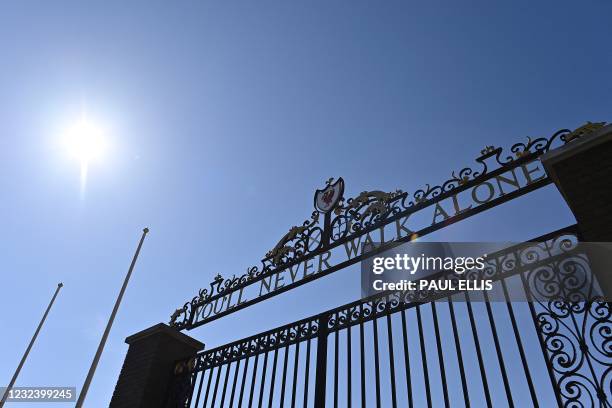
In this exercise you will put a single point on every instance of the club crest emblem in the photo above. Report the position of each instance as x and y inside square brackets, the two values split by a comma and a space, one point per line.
[326, 200]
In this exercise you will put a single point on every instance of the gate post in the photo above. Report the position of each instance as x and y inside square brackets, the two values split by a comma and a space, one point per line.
[582, 171]
[149, 366]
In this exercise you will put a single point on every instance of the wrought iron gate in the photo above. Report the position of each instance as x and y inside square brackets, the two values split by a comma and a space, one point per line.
[431, 349]
[420, 348]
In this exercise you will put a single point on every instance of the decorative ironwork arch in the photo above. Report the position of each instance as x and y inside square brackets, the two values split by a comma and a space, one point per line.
[349, 219]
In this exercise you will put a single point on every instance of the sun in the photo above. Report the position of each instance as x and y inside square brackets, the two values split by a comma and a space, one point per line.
[85, 141]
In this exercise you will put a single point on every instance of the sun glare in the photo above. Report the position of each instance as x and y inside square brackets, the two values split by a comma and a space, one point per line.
[85, 141]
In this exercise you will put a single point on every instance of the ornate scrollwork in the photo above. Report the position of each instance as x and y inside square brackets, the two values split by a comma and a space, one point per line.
[250, 346]
[174, 319]
[578, 342]
[294, 243]
[367, 209]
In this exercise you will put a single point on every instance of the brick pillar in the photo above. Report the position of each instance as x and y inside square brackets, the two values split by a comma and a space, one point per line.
[149, 366]
[582, 171]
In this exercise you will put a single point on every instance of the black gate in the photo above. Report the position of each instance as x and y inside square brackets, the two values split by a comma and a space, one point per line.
[428, 350]
[421, 348]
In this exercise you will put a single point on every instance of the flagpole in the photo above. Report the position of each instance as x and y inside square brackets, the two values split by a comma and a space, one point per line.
[25, 355]
[96, 359]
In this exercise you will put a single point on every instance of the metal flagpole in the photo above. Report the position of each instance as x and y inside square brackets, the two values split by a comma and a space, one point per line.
[94, 364]
[25, 355]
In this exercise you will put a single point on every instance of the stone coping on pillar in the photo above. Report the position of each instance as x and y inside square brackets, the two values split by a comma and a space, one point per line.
[555, 156]
[164, 329]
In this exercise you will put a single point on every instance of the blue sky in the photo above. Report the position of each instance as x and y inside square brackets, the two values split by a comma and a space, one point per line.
[225, 117]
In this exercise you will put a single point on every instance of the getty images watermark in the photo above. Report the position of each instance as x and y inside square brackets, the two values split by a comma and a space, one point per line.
[481, 271]
[423, 264]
